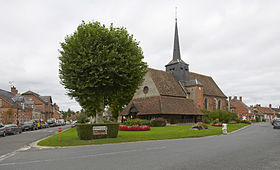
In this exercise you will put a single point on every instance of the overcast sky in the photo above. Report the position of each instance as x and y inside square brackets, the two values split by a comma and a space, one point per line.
[236, 42]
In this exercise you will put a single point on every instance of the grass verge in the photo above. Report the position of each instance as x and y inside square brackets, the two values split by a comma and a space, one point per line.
[70, 137]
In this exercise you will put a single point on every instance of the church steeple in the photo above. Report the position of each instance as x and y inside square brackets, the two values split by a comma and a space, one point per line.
[177, 66]
[176, 48]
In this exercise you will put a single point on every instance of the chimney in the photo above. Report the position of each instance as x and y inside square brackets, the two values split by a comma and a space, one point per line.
[14, 90]
[269, 105]
[240, 98]
[235, 98]
[229, 99]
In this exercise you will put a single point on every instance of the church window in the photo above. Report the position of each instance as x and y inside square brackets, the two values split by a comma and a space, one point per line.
[215, 104]
[146, 89]
[205, 103]
[219, 105]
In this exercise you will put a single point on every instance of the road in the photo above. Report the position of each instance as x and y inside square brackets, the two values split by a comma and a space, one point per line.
[11, 143]
[255, 147]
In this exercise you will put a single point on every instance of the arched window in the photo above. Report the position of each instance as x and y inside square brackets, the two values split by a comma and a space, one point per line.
[215, 105]
[219, 104]
[205, 103]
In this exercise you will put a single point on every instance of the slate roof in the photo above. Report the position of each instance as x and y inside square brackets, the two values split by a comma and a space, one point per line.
[276, 110]
[166, 83]
[209, 85]
[44, 99]
[163, 105]
[8, 97]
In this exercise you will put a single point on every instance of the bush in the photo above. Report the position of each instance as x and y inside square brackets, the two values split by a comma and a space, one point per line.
[112, 129]
[245, 121]
[85, 131]
[9, 122]
[158, 122]
[82, 118]
[216, 121]
[137, 122]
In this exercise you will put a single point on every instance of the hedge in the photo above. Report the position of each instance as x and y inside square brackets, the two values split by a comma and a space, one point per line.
[85, 131]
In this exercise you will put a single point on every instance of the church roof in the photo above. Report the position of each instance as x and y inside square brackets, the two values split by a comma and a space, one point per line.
[166, 83]
[209, 85]
[162, 105]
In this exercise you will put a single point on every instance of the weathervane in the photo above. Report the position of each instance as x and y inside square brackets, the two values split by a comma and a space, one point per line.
[11, 83]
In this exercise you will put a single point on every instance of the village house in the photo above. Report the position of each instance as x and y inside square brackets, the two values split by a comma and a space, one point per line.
[176, 94]
[277, 110]
[238, 106]
[265, 113]
[43, 103]
[14, 108]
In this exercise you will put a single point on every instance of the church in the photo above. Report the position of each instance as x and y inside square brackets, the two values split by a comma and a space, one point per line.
[176, 94]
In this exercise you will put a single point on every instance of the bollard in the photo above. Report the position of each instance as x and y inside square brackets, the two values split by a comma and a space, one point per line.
[59, 132]
[224, 128]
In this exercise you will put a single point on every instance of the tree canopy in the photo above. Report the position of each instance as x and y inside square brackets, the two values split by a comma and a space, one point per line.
[100, 65]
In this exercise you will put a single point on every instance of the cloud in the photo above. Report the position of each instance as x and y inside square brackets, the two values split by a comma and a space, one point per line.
[235, 42]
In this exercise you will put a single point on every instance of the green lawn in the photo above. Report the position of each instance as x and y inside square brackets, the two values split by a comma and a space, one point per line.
[70, 138]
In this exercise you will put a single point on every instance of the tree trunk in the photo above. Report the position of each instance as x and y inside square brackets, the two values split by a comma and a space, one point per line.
[99, 115]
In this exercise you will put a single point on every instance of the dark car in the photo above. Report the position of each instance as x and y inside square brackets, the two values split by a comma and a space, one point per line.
[276, 124]
[31, 125]
[12, 129]
[2, 130]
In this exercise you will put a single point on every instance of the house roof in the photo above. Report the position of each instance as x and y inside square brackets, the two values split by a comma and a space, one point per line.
[166, 83]
[265, 110]
[209, 85]
[238, 102]
[162, 105]
[8, 96]
[44, 99]
[276, 110]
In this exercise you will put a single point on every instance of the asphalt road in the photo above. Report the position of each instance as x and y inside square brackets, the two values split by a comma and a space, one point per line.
[11, 143]
[256, 147]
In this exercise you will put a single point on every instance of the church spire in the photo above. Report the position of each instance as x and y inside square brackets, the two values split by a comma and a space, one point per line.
[176, 48]
[178, 68]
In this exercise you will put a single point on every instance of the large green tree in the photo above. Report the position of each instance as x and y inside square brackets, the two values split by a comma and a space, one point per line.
[101, 66]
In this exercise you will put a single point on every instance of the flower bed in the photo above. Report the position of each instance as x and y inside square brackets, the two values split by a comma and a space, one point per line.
[134, 128]
[217, 124]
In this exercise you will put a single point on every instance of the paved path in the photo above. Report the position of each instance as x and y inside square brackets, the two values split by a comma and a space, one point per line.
[256, 147]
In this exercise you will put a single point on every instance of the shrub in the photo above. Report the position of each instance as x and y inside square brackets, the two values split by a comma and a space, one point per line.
[82, 118]
[112, 129]
[9, 122]
[158, 122]
[245, 121]
[216, 121]
[84, 131]
[137, 122]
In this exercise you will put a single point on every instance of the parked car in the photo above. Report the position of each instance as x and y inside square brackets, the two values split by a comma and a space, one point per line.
[276, 124]
[61, 122]
[12, 129]
[275, 119]
[38, 123]
[2, 130]
[31, 125]
[73, 124]
[47, 125]
[51, 122]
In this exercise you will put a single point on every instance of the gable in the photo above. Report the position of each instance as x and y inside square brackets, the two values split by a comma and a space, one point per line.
[209, 86]
[147, 83]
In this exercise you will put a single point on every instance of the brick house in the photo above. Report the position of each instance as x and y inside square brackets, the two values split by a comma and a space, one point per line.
[14, 108]
[56, 112]
[277, 110]
[265, 113]
[175, 94]
[238, 106]
[43, 103]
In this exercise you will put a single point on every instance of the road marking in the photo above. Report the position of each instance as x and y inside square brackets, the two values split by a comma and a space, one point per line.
[84, 156]
[8, 155]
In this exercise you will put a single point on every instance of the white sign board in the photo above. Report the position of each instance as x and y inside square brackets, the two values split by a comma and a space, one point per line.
[99, 130]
